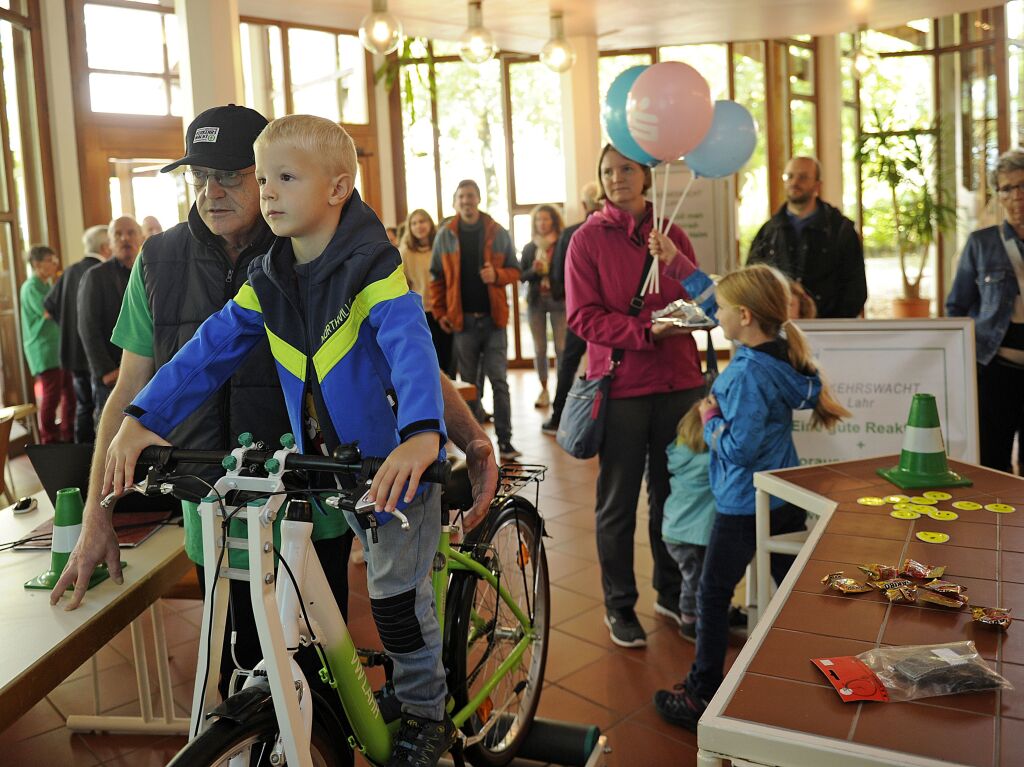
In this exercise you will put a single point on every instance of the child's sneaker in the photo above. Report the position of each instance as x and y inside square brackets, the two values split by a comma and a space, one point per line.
[688, 631]
[668, 608]
[421, 742]
[680, 707]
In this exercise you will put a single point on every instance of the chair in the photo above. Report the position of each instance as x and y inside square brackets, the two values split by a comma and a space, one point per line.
[6, 483]
[26, 414]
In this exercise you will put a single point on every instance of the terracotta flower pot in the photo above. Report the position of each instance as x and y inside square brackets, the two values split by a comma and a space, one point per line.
[905, 308]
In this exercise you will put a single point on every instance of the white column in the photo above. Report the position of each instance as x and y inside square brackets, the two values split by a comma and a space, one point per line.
[211, 56]
[581, 123]
[63, 139]
[385, 151]
[830, 113]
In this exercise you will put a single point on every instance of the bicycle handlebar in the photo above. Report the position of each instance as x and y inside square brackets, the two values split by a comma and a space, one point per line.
[162, 455]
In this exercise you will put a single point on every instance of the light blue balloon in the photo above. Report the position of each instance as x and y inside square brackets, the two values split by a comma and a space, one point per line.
[614, 113]
[729, 143]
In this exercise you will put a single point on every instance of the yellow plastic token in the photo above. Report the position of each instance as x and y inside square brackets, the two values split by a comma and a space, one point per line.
[871, 500]
[921, 509]
[930, 537]
[923, 500]
[904, 514]
[943, 516]
[966, 505]
[937, 495]
[903, 506]
[1000, 508]
[896, 498]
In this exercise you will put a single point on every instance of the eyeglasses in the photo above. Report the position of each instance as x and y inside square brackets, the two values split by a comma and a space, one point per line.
[225, 178]
[1008, 189]
[798, 177]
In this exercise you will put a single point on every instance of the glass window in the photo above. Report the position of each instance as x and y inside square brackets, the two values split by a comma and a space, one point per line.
[128, 94]
[803, 130]
[900, 90]
[611, 66]
[538, 162]
[263, 68]
[328, 75]
[712, 61]
[748, 65]
[801, 70]
[851, 189]
[472, 136]
[418, 139]
[109, 47]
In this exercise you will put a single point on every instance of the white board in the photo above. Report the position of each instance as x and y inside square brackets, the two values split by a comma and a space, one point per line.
[707, 215]
[875, 367]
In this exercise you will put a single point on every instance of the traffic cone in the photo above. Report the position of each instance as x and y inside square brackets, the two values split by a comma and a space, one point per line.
[67, 525]
[923, 458]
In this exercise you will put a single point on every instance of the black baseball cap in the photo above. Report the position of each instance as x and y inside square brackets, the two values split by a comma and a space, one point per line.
[221, 138]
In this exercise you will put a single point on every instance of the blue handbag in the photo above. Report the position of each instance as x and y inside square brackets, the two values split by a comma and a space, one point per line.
[581, 428]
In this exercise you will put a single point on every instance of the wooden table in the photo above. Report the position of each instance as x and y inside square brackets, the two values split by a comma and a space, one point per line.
[776, 708]
[466, 390]
[43, 645]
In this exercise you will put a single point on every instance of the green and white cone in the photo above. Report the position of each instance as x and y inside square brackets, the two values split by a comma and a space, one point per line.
[67, 526]
[923, 458]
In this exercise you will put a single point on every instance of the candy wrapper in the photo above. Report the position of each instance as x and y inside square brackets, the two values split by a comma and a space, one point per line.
[887, 585]
[893, 674]
[947, 587]
[902, 594]
[914, 569]
[683, 313]
[839, 582]
[880, 572]
[993, 616]
[943, 600]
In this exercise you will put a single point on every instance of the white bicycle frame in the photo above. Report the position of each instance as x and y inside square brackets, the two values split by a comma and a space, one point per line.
[278, 614]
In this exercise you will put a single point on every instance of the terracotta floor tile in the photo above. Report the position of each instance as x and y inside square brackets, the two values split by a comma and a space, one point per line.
[57, 747]
[617, 682]
[561, 564]
[106, 657]
[586, 581]
[567, 654]
[649, 717]
[117, 687]
[556, 702]
[566, 604]
[575, 541]
[579, 517]
[42, 717]
[634, 744]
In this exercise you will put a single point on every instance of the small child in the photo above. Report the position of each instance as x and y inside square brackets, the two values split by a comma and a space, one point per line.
[353, 349]
[689, 513]
[748, 426]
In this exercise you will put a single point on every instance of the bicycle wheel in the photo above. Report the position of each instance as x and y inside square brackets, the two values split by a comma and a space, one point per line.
[481, 631]
[250, 743]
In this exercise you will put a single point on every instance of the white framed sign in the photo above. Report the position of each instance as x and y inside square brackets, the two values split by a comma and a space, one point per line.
[875, 367]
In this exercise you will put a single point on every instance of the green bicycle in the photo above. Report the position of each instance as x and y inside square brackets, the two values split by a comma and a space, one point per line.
[491, 592]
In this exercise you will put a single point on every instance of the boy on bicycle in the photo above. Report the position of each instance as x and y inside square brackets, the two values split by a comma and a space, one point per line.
[354, 352]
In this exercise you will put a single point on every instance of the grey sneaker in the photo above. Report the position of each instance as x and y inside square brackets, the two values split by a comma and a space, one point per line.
[688, 631]
[625, 629]
[669, 609]
[507, 452]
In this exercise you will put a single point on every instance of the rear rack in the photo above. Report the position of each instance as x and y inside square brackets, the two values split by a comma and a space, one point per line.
[513, 477]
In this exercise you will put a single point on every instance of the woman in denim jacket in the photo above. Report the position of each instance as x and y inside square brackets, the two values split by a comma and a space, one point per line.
[987, 289]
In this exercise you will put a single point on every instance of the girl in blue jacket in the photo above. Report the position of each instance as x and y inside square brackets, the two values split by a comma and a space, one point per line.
[748, 422]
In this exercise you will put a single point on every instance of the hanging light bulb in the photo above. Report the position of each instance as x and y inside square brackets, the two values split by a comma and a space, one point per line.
[380, 32]
[864, 59]
[476, 44]
[557, 54]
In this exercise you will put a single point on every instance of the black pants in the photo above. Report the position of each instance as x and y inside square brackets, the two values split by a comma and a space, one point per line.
[637, 432]
[442, 345]
[572, 353]
[85, 432]
[1000, 412]
[333, 555]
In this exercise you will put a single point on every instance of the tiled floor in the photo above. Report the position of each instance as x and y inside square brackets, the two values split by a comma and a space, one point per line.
[588, 679]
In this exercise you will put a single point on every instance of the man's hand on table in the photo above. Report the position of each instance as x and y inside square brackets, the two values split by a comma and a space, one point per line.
[96, 544]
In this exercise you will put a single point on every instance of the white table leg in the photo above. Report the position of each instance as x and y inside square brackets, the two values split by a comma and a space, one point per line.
[704, 759]
[762, 526]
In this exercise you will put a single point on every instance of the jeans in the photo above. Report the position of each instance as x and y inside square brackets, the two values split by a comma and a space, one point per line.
[637, 431]
[568, 365]
[1000, 412]
[85, 431]
[481, 348]
[55, 393]
[442, 345]
[398, 570]
[732, 545]
[690, 559]
[538, 312]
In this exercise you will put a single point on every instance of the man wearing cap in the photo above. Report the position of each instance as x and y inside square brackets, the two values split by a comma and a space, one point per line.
[184, 275]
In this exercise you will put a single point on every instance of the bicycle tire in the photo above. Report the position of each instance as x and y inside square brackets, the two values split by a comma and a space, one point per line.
[225, 739]
[513, 529]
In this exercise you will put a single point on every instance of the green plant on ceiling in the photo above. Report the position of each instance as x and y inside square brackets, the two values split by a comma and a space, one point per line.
[400, 67]
[900, 159]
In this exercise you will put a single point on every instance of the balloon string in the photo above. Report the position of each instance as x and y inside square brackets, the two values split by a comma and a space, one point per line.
[654, 194]
[675, 211]
[664, 193]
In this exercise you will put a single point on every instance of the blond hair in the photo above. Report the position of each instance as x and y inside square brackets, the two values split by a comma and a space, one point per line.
[690, 430]
[764, 292]
[318, 136]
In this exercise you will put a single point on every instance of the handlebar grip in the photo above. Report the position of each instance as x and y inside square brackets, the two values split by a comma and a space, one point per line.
[437, 473]
[155, 455]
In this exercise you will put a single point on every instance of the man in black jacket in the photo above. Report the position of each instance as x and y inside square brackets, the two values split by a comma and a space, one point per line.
[99, 302]
[62, 304]
[813, 243]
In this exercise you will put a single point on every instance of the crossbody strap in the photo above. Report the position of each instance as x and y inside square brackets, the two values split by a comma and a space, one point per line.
[636, 303]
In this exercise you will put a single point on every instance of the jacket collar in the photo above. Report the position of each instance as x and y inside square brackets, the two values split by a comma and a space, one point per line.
[613, 216]
[486, 220]
[818, 219]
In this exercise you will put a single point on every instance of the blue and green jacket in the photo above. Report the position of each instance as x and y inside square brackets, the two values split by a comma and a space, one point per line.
[358, 334]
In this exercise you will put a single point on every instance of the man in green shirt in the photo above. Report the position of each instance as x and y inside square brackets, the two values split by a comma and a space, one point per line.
[40, 339]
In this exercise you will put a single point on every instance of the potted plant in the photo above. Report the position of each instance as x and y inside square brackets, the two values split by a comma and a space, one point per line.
[918, 213]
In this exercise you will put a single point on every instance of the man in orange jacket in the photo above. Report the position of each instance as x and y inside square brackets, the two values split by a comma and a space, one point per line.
[472, 262]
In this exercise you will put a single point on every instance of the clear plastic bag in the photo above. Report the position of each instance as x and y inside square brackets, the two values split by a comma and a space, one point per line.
[910, 673]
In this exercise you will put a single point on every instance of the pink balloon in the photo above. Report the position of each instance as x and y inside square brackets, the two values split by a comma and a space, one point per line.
[669, 110]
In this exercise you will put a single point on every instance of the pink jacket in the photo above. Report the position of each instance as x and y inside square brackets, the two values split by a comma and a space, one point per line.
[603, 269]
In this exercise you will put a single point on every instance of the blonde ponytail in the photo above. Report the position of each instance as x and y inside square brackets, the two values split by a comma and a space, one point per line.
[828, 412]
